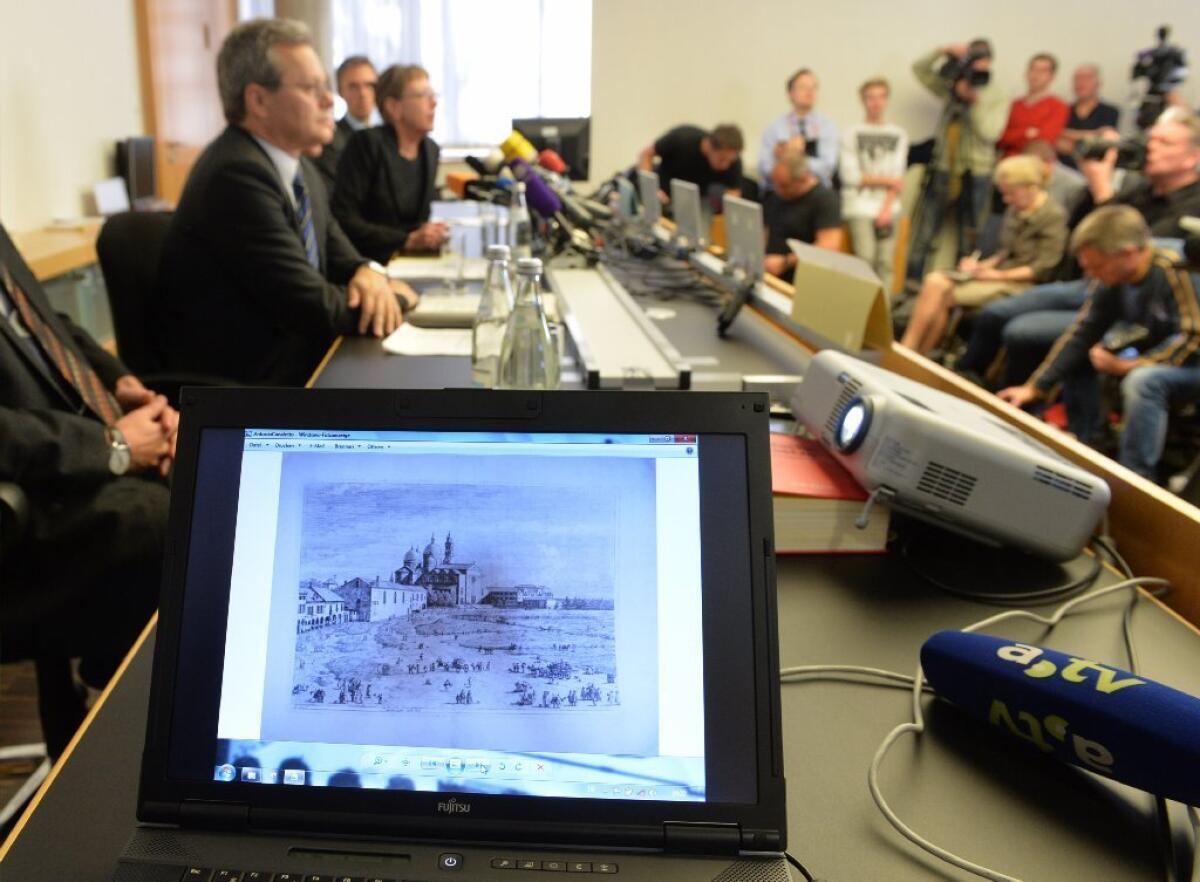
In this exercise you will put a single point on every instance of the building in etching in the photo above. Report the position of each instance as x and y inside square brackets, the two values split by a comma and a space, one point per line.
[448, 582]
[521, 597]
[373, 601]
[320, 605]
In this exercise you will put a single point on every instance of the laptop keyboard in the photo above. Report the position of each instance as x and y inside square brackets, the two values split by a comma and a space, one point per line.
[447, 862]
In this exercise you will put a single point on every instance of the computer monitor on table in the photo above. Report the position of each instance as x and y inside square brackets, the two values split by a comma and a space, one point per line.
[648, 193]
[689, 218]
[745, 249]
[569, 138]
[744, 236]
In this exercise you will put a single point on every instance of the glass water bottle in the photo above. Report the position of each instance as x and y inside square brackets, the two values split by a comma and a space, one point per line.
[529, 354]
[495, 306]
[520, 224]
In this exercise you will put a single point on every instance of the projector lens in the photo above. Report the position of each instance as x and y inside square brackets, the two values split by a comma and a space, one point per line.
[853, 426]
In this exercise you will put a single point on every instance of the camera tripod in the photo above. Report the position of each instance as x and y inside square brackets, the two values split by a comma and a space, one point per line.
[934, 198]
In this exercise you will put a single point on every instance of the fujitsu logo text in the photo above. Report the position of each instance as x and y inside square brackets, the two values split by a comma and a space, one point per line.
[453, 807]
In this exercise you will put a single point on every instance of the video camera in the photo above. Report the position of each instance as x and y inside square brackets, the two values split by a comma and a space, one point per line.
[956, 69]
[1131, 152]
[1164, 67]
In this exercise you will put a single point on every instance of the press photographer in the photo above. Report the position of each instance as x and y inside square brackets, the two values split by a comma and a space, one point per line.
[1168, 185]
[959, 172]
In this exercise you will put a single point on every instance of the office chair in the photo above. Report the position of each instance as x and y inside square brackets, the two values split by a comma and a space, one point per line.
[130, 247]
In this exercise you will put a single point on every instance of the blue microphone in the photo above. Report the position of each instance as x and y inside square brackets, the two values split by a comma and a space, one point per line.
[1109, 721]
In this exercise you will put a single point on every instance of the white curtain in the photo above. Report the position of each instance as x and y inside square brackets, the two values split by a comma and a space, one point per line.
[489, 62]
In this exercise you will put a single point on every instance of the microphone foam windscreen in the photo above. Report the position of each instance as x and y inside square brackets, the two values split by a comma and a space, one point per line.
[551, 161]
[517, 146]
[538, 194]
[1125, 727]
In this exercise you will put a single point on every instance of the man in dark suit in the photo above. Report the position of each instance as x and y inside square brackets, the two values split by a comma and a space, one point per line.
[387, 176]
[90, 446]
[356, 80]
[257, 279]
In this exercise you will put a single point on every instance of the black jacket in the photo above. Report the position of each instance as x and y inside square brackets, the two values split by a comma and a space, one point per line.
[47, 438]
[327, 162]
[371, 179]
[237, 296]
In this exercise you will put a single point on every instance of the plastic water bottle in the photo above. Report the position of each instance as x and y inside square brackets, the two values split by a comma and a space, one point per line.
[529, 354]
[520, 224]
[495, 306]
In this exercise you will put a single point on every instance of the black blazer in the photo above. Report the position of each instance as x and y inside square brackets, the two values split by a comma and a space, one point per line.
[327, 162]
[370, 180]
[48, 440]
[237, 296]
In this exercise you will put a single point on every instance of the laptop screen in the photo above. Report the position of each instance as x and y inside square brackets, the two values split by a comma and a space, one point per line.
[463, 612]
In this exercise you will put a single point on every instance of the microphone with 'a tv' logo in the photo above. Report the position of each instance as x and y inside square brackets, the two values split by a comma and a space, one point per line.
[1099, 717]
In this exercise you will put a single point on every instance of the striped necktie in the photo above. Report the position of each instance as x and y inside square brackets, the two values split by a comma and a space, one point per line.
[304, 215]
[77, 372]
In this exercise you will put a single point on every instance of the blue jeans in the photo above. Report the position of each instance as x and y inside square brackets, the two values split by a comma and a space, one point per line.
[971, 208]
[1147, 395]
[1026, 324]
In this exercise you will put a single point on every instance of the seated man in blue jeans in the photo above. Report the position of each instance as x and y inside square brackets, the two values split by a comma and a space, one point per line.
[1029, 323]
[1140, 286]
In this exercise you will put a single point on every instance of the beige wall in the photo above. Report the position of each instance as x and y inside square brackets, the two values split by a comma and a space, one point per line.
[69, 89]
[69, 84]
[656, 64]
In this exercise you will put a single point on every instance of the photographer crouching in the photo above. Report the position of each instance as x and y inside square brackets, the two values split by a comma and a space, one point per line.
[964, 154]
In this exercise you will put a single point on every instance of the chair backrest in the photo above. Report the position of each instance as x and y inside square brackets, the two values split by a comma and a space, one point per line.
[129, 247]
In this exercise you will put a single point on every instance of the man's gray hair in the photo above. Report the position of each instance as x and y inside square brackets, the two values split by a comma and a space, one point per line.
[1185, 117]
[1110, 230]
[246, 57]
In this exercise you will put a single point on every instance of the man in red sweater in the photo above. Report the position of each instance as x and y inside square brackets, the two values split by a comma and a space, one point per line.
[1038, 115]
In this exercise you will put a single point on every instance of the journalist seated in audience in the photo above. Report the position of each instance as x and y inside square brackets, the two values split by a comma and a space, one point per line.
[387, 175]
[1066, 185]
[1136, 286]
[798, 206]
[1032, 237]
[1167, 189]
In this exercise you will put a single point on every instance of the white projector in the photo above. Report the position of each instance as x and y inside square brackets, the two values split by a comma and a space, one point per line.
[947, 461]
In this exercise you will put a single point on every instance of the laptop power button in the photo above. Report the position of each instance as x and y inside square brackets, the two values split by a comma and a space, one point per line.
[450, 861]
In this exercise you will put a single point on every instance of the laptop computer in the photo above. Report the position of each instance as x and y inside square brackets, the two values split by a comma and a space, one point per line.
[465, 635]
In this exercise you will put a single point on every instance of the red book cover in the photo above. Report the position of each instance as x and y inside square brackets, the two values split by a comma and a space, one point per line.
[817, 502]
[802, 467]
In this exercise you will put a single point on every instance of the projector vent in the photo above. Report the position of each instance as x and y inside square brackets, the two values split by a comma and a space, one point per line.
[850, 387]
[946, 483]
[1059, 481]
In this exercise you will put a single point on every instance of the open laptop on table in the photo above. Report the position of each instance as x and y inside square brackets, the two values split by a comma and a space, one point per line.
[465, 635]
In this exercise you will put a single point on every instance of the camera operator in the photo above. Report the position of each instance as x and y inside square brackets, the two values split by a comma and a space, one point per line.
[1169, 186]
[964, 148]
[1167, 190]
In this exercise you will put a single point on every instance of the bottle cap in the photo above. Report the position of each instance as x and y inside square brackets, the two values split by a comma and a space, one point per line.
[498, 252]
[529, 266]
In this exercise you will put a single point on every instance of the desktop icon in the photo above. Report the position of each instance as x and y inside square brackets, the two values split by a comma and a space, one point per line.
[294, 776]
[252, 775]
[226, 773]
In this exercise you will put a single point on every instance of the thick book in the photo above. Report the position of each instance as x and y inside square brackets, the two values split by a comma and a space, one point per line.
[817, 502]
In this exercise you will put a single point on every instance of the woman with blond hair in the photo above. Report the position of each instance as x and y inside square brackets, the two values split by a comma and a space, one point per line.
[1032, 237]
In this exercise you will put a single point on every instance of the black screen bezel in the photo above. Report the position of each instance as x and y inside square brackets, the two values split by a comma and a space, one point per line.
[736, 577]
